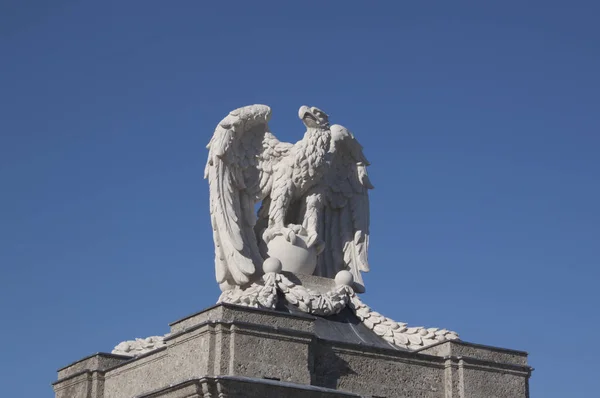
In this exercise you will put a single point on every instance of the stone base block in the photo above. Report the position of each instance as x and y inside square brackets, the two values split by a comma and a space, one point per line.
[231, 351]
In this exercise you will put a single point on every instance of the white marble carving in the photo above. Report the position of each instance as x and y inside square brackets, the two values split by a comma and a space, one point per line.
[398, 333]
[317, 187]
[138, 347]
[255, 295]
[295, 257]
[313, 219]
[312, 302]
[330, 303]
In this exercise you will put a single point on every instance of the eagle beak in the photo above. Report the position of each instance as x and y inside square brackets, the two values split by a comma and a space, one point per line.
[303, 111]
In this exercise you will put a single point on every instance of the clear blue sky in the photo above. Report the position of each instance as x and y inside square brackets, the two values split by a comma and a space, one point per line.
[481, 120]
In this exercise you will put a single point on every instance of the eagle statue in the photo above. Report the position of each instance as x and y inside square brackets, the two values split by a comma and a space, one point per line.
[291, 227]
[314, 193]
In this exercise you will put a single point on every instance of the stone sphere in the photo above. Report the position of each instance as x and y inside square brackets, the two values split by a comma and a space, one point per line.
[295, 258]
[272, 264]
[344, 278]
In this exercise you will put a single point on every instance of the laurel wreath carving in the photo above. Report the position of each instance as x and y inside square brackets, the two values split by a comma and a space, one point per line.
[265, 295]
[138, 346]
[255, 295]
[312, 302]
[330, 303]
[397, 333]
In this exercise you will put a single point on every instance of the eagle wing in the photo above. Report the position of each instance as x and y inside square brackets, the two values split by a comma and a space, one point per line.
[344, 225]
[242, 154]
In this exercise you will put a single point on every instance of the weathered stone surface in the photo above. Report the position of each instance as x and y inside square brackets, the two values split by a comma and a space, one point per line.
[100, 361]
[86, 376]
[474, 370]
[477, 351]
[238, 387]
[243, 352]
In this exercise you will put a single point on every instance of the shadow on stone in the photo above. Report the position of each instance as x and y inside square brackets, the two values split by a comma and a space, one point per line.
[329, 368]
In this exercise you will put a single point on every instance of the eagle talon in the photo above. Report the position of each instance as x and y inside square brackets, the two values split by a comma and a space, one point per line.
[270, 234]
[313, 240]
[298, 229]
[288, 234]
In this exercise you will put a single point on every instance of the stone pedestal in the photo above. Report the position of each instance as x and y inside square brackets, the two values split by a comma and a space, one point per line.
[232, 351]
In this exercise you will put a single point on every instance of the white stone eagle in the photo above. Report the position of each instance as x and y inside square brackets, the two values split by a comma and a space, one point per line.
[316, 189]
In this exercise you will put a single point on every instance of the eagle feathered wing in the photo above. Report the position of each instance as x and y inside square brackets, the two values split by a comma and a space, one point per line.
[344, 225]
[242, 155]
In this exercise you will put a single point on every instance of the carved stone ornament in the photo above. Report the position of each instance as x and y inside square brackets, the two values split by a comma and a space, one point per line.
[313, 219]
[138, 347]
[312, 194]
[264, 295]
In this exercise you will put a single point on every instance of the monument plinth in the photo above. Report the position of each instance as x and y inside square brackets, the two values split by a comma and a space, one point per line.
[290, 321]
[233, 351]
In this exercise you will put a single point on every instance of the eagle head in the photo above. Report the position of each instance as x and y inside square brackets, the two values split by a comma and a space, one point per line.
[313, 117]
